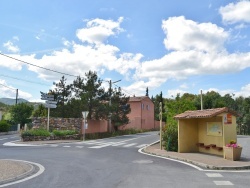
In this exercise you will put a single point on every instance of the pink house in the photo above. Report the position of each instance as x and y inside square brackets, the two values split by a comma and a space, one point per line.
[142, 114]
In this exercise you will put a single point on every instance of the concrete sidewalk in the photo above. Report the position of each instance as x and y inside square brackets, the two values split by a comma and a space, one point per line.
[202, 160]
[11, 170]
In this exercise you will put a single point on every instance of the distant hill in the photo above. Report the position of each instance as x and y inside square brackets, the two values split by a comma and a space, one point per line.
[10, 101]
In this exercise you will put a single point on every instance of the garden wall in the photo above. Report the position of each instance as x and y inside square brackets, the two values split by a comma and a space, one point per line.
[94, 126]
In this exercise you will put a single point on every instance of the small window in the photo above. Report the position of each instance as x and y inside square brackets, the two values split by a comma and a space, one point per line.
[142, 106]
[147, 107]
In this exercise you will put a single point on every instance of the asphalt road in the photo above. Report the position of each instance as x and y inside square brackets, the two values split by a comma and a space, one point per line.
[113, 163]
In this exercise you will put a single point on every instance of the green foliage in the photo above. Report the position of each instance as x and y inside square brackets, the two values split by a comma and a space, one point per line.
[177, 106]
[41, 111]
[35, 132]
[119, 109]
[4, 126]
[156, 100]
[170, 137]
[21, 112]
[87, 94]
[213, 99]
[62, 94]
[64, 132]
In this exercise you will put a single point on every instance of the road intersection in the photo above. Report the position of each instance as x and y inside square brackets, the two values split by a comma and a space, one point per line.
[112, 162]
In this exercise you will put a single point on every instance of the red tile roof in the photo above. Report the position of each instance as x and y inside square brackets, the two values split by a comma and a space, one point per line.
[137, 98]
[204, 113]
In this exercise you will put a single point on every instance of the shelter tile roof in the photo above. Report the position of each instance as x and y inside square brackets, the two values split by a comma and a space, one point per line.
[204, 113]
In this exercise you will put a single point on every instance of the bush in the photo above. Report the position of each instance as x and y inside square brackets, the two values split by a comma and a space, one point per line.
[170, 138]
[64, 132]
[4, 126]
[36, 132]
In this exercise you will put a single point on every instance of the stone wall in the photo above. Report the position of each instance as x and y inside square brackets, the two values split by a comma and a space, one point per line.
[58, 123]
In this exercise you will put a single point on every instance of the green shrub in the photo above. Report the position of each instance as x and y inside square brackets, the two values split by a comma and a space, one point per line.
[36, 132]
[170, 137]
[64, 132]
[4, 126]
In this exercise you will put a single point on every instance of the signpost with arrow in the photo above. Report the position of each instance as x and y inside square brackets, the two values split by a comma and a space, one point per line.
[49, 103]
[85, 125]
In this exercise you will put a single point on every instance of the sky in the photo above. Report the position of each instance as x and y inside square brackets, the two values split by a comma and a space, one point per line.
[168, 46]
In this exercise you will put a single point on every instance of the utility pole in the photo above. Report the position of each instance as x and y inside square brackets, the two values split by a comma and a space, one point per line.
[160, 116]
[16, 95]
[110, 95]
[201, 101]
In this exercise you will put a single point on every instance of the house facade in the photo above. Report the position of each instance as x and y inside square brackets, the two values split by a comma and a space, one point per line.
[140, 117]
[142, 114]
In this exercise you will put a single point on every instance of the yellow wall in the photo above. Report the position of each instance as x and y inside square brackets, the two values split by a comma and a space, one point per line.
[193, 131]
[208, 139]
[230, 132]
[188, 135]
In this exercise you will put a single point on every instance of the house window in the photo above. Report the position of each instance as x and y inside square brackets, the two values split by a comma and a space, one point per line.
[147, 107]
[142, 106]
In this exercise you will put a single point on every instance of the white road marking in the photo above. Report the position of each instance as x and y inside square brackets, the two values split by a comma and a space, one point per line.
[66, 146]
[223, 183]
[53, 145]
[3, 138]
[214, 175]
[94, 142]
[118, 144]
[14, 144]
[130, 145]
[102, 146]
[40, 171]
[79, 146]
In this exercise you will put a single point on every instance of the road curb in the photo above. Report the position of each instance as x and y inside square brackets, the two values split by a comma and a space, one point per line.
[19, 176]
[35, 170]
[198, 165]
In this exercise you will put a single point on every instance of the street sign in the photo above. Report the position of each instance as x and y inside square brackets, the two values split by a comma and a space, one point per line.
[47, 98]
[50, 105]
[51, 102]
[85, 114]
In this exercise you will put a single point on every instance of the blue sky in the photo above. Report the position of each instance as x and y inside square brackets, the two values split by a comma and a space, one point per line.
[169, 46]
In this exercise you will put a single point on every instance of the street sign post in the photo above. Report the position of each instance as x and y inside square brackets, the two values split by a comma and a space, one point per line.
[49, 103]
[85, 125]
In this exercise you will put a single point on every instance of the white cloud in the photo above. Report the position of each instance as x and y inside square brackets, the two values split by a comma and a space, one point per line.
[183, 34]
[198, 49]
[137, 88]
[9, 91]
[245, 90]
[84, 56]
[236, 12]
[172, 93]
[11, 47]
[98, 30]
[10, 63]
[184, 86]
